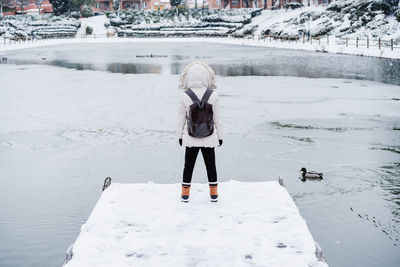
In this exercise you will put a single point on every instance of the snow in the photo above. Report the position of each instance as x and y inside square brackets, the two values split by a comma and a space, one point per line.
[212, 23]
[347, 22]
[341, 19]
[268, 18]
[147, 225]
[347, 18]
[38, 26]
[96, 22]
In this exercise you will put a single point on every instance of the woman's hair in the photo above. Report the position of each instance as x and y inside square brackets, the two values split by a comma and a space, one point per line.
[183, 83]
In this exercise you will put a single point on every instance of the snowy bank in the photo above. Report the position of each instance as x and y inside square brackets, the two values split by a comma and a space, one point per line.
[182, 23]
[342, 18]
[147, 225]
[96, 23]
[37, 26]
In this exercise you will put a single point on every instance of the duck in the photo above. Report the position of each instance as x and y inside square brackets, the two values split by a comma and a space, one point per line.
[310, 175]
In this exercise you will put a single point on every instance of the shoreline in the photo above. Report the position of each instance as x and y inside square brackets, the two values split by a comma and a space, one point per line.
[384, 52]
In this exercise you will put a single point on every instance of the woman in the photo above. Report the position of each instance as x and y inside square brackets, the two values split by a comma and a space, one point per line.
[198, 81]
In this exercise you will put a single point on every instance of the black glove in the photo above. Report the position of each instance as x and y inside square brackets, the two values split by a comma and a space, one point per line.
[220, 142]
[180, 142]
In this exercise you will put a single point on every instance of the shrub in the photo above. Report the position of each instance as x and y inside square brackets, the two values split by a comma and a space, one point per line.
[397, 15]
[86, 12]
[338, 6]
[89, 30]
[380, 6]
[293, 6]
[75, 14]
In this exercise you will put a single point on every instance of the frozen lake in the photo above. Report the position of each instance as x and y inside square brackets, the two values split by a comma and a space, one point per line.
[227, 60]
[63, 131]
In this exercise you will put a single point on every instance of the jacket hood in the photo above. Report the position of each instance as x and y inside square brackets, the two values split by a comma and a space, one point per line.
[197, 75]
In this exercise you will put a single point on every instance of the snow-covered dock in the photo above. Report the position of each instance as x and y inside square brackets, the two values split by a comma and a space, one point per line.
[146, 225]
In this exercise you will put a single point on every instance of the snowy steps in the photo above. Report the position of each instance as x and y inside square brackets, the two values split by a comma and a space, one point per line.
[253, 224]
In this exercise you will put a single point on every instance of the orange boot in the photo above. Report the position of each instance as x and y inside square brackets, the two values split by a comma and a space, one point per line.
[214, 192]
[185, 192]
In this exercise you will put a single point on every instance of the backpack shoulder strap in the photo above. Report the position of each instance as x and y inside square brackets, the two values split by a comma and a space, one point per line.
[192, 96]
[206, 96]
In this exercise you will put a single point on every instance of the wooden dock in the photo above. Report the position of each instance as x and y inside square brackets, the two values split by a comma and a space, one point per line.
[254, 223]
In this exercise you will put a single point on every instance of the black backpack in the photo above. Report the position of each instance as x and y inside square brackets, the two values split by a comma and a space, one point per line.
[200, 119]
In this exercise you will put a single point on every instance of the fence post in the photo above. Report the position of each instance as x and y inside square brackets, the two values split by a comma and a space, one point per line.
[311, 39]
[4, 40]
[276, 38]
[319, 40]
[357, 42]
[379, 43]
[327, 39]
[304, 38]
[391, 44]
[270, 38]
[347, 41]
[367, 41]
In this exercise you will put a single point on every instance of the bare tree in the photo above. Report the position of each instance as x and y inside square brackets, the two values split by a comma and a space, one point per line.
[38, 3]
[2, 4]
[21, 3]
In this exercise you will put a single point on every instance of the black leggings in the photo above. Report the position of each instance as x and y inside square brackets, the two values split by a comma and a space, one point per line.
[209, 160]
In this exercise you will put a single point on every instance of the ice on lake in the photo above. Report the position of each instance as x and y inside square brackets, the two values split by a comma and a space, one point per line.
[226, 60]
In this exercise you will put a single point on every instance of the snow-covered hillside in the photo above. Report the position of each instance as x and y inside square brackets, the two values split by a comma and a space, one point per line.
[350, 18]
[342, 18]
[38, 26]
[182, 23]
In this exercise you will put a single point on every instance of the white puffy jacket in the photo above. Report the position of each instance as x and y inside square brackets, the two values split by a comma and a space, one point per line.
[198, 77]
